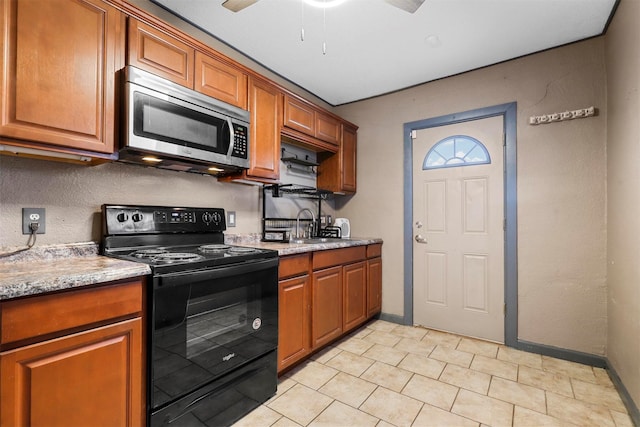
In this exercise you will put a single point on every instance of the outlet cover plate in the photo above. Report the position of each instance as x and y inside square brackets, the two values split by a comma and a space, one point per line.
[30, 215]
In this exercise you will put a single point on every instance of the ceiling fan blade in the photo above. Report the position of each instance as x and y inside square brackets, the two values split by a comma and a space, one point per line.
[237, 5]
[407, 5]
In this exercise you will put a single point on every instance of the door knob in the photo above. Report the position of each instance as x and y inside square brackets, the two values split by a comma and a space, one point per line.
[420, 239]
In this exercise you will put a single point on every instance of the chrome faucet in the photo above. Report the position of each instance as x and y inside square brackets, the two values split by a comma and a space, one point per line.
[313, 223]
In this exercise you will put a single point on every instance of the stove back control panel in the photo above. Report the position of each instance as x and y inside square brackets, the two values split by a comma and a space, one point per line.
[125, 219]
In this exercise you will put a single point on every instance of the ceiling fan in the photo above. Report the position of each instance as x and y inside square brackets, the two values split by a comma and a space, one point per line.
[407, 5]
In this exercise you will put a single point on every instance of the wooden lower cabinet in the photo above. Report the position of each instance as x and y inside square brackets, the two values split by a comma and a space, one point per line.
[374, 286]
[326, 296]
[74, 358]
[355, 295]
[293, 320]
[323, 295]
[90, 378]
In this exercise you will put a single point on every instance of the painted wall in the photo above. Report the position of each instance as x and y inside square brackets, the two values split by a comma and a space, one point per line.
[623, 228]
[73, 195]
[561, 185]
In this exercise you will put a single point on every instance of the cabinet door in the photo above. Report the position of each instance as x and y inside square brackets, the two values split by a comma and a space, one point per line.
[337, 172]
[355, 295]
[89, 378]
[160, 53]
[299, 116]
[327, 128]
[374, 286]
[220, 81]
[348, 159]
[264, 139]
[326, 306]
[293, 320]
[58, 68]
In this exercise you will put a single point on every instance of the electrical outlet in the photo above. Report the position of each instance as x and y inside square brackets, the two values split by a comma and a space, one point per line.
[33, 215]
[231, 218]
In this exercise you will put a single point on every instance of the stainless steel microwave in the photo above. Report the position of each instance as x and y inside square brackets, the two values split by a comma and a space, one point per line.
[170, 126]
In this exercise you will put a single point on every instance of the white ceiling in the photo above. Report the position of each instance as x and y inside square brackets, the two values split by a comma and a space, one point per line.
[373, 48]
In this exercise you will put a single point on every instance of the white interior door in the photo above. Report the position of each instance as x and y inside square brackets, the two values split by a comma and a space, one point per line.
[458, 214]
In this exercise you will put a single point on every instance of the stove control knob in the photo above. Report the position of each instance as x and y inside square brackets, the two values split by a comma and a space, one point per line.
[122, 217]
[207, 217]
[216, 217]
[137, 217]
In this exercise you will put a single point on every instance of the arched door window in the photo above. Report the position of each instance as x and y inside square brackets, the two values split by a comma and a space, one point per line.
[457, 150]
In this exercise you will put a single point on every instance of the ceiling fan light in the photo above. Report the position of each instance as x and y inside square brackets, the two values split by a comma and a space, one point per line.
[407, 5]
[237, 5]
[324, 4]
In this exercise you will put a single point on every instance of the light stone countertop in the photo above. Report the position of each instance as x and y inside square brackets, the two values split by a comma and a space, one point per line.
[284, 248]
[58, 267]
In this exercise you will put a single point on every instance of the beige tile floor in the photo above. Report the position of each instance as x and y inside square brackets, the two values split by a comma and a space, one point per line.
[386, 375]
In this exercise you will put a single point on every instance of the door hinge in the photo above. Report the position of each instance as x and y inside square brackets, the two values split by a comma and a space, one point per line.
[414, 134]
[504, 309]
[504, 224]
[504, 139]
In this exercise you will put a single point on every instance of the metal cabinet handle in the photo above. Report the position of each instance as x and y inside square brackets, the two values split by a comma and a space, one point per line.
[420, 239]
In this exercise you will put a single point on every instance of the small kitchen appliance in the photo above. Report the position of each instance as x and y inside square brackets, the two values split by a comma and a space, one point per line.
[212, 313]
[169, 126]
[345, 227]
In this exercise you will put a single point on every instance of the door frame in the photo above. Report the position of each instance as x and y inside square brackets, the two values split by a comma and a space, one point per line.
[508, 112]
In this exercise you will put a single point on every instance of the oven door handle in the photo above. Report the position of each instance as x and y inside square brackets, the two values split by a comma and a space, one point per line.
[187, 277]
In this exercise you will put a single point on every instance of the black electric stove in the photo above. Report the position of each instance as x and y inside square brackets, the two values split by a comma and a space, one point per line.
[212, 313]
[171, 239]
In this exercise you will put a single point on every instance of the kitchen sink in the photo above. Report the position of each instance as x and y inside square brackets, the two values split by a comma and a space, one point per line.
[316, 240]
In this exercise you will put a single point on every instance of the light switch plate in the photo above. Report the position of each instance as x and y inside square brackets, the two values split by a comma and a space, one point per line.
[231, 218]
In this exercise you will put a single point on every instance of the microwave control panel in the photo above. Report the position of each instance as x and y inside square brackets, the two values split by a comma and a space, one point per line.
[240, 146]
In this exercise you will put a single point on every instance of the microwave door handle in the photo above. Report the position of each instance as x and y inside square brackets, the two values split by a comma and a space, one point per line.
[232, 137]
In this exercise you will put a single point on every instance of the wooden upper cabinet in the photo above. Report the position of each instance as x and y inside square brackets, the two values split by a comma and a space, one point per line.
[265, 101]
[348, 159]
[58, 72]
[220, 81]
[160, 53]
[299, 115]
[327, 128]
[337, 172]
[304, 117]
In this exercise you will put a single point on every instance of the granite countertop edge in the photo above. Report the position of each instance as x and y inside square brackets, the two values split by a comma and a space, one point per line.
[59, 267]
[285, 248]
[54, 268]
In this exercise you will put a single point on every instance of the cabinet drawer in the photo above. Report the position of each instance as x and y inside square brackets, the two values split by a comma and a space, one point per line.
[293, 265]
[42, 315]
[324, 259]
[374, 250]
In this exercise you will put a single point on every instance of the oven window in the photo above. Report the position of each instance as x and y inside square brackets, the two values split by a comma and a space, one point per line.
[204, 329]
[159, 119]
[218, 319]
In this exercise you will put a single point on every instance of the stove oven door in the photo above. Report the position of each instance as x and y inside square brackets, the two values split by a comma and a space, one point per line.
[207, 323]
